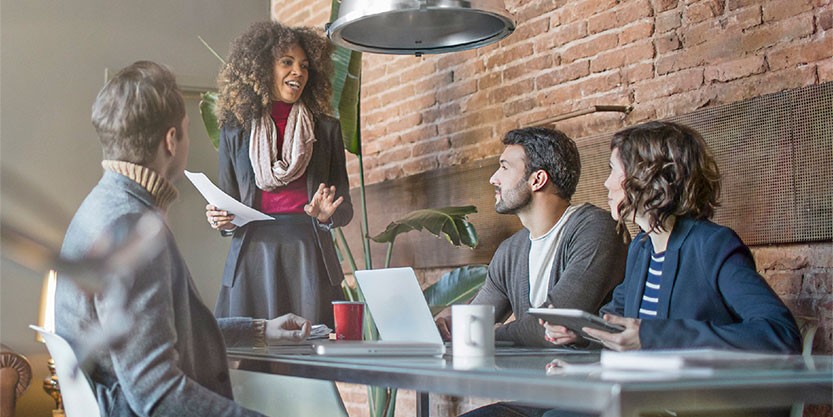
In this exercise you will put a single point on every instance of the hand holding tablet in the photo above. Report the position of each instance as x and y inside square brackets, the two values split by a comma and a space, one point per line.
[575, 320]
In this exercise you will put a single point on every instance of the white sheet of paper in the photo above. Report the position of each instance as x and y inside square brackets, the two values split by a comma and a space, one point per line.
[214, 195]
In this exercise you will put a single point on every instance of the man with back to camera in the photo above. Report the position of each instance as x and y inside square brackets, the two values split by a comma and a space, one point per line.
[567, 256]
[170, 358]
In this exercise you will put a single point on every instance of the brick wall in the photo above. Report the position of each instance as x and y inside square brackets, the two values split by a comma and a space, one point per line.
[663, 57]
[802, 275]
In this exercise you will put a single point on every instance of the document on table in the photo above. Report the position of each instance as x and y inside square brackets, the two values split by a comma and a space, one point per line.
[675, 359]
[214, 195]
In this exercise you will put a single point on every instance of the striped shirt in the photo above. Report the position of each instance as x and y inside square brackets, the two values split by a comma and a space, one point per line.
[650, 297]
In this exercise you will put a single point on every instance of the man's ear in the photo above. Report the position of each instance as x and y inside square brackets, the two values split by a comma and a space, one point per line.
[170, 141]
[538, 180]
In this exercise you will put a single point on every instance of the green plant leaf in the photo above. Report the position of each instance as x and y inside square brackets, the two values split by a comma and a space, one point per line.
[378, 397]
[341, 62]
[334, 6]
[448, 222]
[342, 248]
[346, 83]
[391, 409]
[208, 104]
[350, 105]
[213, 52]
[455, 286]
[350, 293]
[369, 330]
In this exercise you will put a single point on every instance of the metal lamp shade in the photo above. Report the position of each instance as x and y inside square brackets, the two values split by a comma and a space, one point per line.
[419, 26]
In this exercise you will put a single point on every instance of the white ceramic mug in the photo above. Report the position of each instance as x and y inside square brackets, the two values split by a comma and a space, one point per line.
[473, 330]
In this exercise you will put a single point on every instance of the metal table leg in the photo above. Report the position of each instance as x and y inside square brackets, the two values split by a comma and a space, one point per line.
[422, 404]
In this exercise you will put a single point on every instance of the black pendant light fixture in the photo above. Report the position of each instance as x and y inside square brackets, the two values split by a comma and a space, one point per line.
[419, 26]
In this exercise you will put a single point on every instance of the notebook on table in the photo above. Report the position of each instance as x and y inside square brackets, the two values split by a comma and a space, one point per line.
[406, 327]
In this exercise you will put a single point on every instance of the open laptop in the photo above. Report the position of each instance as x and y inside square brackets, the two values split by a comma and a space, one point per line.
[406, 327]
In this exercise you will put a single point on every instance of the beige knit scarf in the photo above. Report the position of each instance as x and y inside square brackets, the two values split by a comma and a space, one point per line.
[274, 170]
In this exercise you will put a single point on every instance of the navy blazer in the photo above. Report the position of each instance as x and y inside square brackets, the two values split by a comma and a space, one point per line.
[711, 294]
[236, 177]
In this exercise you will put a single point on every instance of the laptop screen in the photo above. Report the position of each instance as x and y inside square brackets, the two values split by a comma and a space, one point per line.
[395, 300]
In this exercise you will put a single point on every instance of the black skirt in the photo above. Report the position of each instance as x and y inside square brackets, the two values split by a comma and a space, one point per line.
[279, 270]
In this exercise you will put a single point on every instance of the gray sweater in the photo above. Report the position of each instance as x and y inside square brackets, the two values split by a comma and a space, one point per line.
[589, 263]
[173, 360]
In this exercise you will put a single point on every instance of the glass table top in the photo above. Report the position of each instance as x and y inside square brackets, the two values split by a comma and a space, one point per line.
[551, 364]
[568, 379]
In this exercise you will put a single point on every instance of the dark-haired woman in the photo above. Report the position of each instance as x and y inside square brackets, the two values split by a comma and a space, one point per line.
[280, 153]
[689, 283]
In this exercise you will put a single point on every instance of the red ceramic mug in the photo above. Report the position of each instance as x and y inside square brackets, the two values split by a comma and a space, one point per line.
[349, 316]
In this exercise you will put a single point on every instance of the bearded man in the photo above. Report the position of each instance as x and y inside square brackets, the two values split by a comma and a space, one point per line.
[566, 256]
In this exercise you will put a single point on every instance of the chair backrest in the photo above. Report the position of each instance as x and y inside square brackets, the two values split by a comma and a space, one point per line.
[15, 377]
[76, 390]
[807, 325]
[286, 396]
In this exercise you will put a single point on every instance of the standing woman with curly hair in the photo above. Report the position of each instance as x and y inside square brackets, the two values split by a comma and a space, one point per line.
[688, 282]
[280, 153]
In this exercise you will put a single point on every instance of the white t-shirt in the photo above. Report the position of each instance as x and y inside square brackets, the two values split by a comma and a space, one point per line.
[541, 258]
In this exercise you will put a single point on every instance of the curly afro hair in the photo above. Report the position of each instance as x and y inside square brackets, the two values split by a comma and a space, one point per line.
[245, 83]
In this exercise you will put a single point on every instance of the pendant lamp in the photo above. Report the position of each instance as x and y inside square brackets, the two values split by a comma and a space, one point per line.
[419, 26]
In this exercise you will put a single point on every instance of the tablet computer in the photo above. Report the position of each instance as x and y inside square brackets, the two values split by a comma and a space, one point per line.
[575, 320]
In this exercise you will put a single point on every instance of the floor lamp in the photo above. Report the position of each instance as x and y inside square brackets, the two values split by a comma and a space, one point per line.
[46, 319]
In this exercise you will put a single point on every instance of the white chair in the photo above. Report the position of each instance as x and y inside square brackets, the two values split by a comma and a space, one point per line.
[286, 396]
[807, 326]
[76, 390]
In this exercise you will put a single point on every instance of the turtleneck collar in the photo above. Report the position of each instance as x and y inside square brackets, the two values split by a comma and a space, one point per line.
[162, 191]
[280, 110]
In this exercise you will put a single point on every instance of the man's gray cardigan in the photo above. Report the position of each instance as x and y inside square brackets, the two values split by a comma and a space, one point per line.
[172, 361]
[589, 263]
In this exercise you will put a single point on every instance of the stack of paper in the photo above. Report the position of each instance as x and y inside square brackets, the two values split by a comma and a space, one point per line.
[320, 331]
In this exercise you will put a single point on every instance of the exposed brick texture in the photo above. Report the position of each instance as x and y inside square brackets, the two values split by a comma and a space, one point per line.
[825, 71]
[663, 57]
[699, 11]
[781, 9]
[663, 5]
[803, 276]
[667, 21]
[825, 20]
[733, 70]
